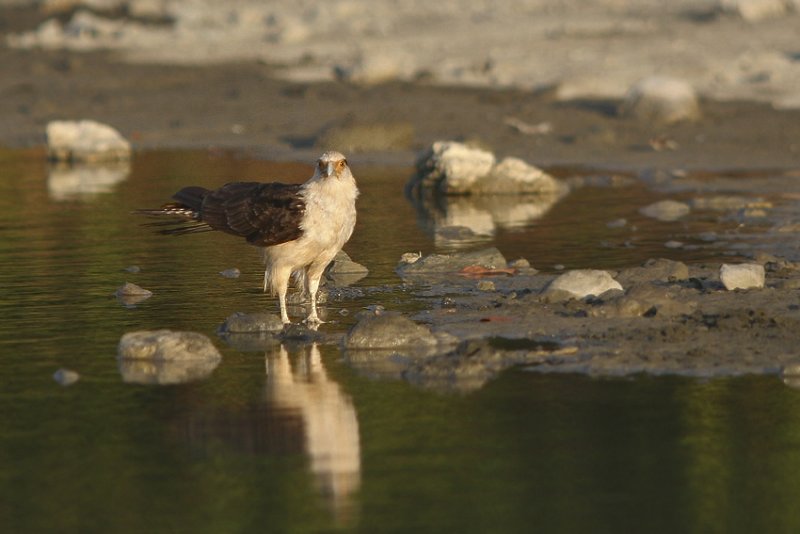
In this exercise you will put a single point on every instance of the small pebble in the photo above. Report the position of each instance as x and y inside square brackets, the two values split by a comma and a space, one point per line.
[486, 285]
[233, 272]
[132, 269]
[66, 377]
[617, 223]
[132, 290]
[673, 244]
[558, 267]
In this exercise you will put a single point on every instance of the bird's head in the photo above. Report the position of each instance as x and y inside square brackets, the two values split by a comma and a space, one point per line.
[332, 164]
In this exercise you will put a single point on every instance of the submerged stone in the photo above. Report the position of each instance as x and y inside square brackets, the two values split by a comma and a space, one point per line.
[240, 323]
[129, 289]
[388, 331]
[490, 258]
[66, 377]
[166, 357]
[167, 345]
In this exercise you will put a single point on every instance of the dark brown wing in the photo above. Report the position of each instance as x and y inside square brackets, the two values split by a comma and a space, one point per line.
[264, 214]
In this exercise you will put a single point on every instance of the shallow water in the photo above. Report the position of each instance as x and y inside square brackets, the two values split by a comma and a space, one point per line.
[292, 439]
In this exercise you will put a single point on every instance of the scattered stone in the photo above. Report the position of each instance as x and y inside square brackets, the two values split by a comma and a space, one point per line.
[521, 264]
[85, 141]
[490, 258]
[343, 271]
[673, 244]
[388, 331]
[617, 223]
[233, 272]
[742, 276]
[240, 322]
[579, 284]
[130, 289]
[132, 269]
[167, 345]
[654, 270]
[410, 257]
[666, 210]
[66, 377]
[661, 100]
[486, 285]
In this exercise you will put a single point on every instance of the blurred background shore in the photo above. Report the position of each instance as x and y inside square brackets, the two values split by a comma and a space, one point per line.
[542, 80]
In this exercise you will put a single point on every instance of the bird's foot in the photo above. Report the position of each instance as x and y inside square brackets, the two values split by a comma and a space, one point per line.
[313, 320]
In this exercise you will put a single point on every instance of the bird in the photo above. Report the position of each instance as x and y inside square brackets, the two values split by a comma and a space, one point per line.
[299, 227]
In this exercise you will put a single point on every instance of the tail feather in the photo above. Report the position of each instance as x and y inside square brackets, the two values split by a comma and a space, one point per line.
[185, 213]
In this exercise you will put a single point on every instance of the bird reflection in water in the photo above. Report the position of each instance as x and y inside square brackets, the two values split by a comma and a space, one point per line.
[329, 421]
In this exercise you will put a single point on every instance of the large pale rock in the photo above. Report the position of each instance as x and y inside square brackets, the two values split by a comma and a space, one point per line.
[581, 283]
[166, 357]
[453, 167]
[742, 276]
[661, 100]
[166, 345]
[388, 331]
[86, 141]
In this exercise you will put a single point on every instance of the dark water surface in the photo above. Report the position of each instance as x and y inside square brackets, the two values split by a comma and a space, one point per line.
[295, 440]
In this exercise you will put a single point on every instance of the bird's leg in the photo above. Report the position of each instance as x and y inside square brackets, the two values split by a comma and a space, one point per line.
[280, 285]
[312, 286]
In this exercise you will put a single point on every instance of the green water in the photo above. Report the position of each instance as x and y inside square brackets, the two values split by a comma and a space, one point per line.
[291, 439]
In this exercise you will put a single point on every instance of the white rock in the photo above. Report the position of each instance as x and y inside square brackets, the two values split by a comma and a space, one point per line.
[666, 210]
[741, 276]
[455, 166]
[513, 175]
[87, 141]
[754, 10]
[662, 100]
[583, 282]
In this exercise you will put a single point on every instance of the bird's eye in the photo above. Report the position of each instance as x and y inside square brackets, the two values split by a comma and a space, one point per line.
[342, 164]
[320, 164]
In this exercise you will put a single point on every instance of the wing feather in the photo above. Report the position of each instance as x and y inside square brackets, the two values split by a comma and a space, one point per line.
[263, 213]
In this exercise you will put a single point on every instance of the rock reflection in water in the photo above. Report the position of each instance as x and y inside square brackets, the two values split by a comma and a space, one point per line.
[481, 215]
[329, 420]
[163, 373]
[70, 182]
